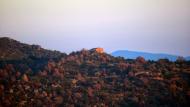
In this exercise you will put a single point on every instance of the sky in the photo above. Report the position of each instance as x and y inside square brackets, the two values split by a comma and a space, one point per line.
[157, 26]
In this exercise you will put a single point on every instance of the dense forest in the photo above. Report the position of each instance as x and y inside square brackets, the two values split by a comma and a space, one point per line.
[36, 77]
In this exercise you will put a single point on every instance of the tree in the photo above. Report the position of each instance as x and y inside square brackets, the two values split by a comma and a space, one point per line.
[180, 59]
[25, 78]
[141, 60]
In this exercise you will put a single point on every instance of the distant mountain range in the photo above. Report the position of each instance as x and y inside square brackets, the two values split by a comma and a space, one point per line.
[148, 56]
[188, 58]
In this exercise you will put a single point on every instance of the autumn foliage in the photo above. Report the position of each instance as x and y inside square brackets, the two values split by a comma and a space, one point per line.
[87, 78]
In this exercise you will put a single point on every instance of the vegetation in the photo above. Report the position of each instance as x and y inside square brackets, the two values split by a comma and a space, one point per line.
[89, 78]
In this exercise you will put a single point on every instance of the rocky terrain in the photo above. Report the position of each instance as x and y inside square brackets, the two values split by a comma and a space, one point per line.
[31, 76]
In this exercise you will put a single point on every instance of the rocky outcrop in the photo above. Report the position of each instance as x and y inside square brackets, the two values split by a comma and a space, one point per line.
[98, 50]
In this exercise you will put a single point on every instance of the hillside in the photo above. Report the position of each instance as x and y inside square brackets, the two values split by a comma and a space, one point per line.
[24, 56]
[92, 78]
[14, 50]
[148, 56]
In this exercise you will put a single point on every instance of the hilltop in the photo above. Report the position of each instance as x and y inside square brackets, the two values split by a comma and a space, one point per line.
[11, 49]
[88, 78]
[24, 56]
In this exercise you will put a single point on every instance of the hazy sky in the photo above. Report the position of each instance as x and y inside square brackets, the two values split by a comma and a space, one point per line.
[159, 26]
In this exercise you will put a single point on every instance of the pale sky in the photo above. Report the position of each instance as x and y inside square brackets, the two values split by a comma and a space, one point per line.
[158, 26]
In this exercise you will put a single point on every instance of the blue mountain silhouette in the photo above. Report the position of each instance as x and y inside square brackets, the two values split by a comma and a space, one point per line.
[148, 56]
